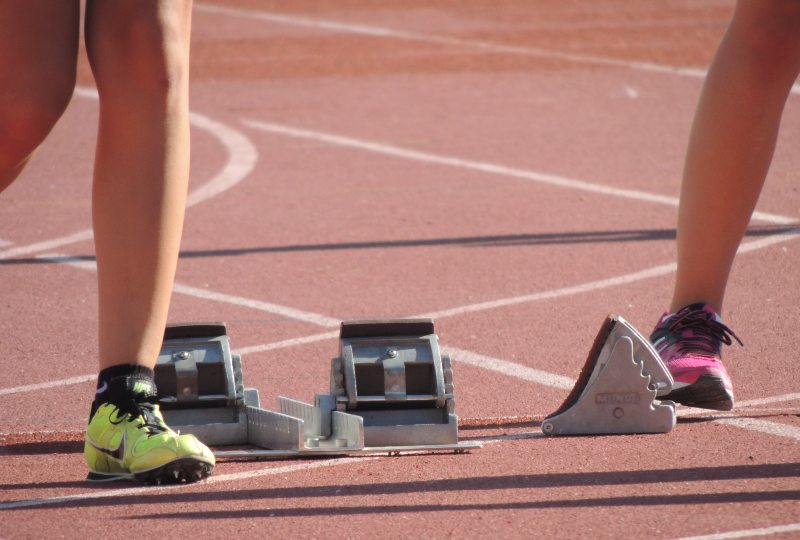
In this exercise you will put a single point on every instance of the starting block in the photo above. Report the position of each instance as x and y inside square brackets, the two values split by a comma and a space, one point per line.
[392, 375]
[618, 389]
[391, 392]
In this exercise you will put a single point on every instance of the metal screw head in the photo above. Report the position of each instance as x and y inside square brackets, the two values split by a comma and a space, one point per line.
[391, 353]
[183, 355]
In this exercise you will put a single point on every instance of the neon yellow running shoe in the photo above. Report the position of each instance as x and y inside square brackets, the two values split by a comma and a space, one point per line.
[137, 444]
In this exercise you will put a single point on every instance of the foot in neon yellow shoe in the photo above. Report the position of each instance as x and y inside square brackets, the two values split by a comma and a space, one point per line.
[136, 444]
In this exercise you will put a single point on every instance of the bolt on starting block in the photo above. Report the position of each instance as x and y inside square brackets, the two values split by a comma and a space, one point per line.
[618, 389]
[391, 391]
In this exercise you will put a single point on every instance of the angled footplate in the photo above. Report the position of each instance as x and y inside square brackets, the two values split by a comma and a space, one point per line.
[201, 391]
[619, 388]
[199, 383]
[392, 374]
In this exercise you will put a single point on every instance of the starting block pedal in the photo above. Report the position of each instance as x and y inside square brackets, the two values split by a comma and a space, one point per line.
[199, 382]
[392, 375]
[618, 389]
[391, 391]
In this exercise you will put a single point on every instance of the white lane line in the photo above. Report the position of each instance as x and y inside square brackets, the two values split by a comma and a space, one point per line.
[242, 157]
[767, 401]
[217, 479]
[47, 385]
[80, 236]
[512, 369]
[293, 342]
[484, 167]
[746, 403]
[763, 426]
[747, 533]
[501, 366]
[290, 313]
[572, 290]
[385, 32]
[485, 46]
[206, 294]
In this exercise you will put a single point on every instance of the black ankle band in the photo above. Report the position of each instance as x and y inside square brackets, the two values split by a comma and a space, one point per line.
[121, 384]
[123, 370]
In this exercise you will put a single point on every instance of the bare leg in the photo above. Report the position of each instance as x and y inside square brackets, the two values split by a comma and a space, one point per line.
[732, 143]
[139, 52]
[38, 54]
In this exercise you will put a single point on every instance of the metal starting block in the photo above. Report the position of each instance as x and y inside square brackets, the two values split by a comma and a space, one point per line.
[199, 382]
[392, 375]
[617, 389]
[391, 391]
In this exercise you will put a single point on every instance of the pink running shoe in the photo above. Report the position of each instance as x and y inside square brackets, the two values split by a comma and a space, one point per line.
[689, 342]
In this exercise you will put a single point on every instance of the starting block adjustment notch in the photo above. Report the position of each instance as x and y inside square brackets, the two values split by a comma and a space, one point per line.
[619, 394]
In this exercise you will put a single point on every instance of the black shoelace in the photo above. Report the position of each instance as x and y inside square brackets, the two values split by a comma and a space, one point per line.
[141, 409]
[706, 336]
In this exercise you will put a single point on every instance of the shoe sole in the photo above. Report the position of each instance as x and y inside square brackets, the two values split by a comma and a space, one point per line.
[181, 471]
[98, 477]
[708, 392]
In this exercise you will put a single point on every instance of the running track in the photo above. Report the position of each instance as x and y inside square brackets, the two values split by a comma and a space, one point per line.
[510, 169]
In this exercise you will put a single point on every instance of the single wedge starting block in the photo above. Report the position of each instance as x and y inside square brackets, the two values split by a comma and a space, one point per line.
[391, 392]
[618, 389]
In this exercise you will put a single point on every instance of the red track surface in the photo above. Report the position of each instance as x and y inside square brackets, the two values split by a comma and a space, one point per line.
[580, 90]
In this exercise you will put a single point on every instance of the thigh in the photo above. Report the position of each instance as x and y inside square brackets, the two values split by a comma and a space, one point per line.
[138, 45]
[38, 49]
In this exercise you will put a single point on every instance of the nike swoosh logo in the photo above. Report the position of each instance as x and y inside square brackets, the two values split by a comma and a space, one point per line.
[118, 453]
[102, 388]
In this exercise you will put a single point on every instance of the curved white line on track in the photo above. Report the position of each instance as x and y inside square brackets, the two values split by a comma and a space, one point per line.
[484, 167]
[485, 46]
[242, 157]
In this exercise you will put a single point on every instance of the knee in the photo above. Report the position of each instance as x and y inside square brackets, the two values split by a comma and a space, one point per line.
[770, 29]
[27, 118]
[142, 51]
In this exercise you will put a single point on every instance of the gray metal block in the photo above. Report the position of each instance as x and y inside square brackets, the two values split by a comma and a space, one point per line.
[618, 388]
[392, 374]
[195, 367]
[390, 389]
